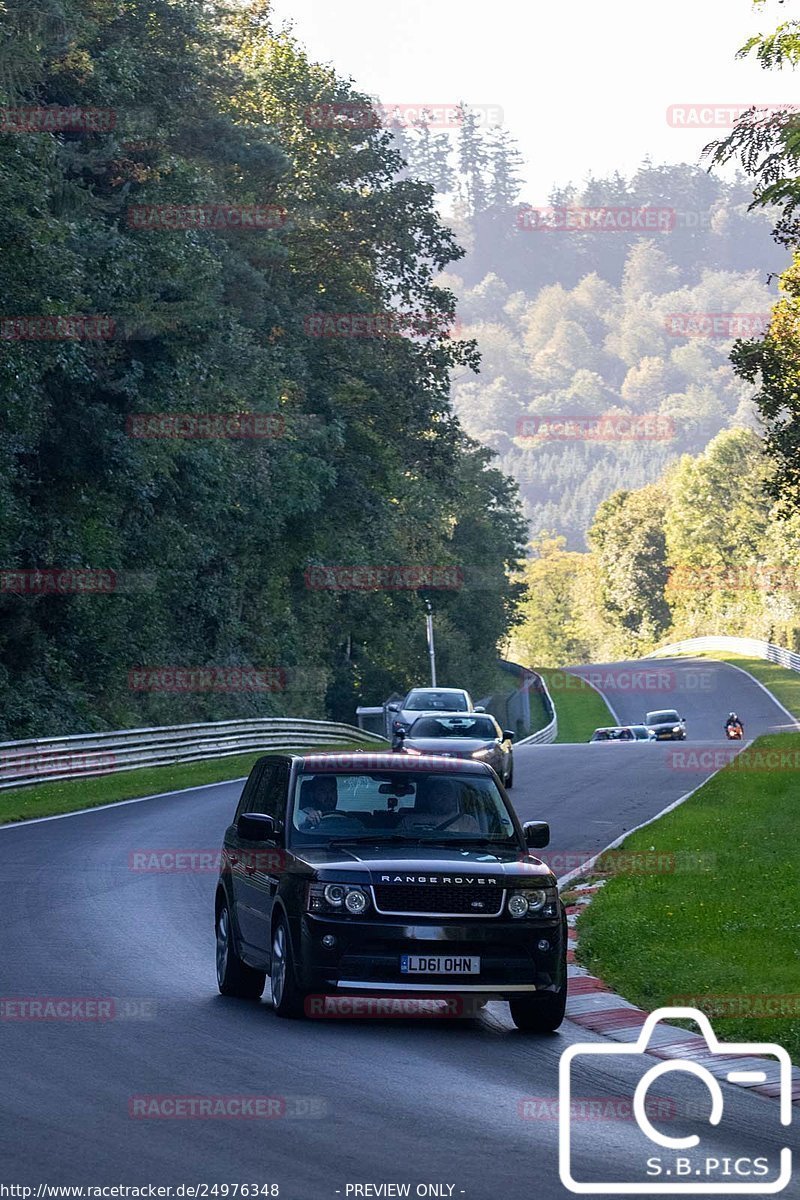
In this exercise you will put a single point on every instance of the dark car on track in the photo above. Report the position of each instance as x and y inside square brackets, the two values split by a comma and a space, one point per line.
[666, 725]
[370, 874]
[463, 736]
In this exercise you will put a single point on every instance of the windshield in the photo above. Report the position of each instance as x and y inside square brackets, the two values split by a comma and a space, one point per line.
[398, 806]
[663, 718]
[453, 727]
[444, 701]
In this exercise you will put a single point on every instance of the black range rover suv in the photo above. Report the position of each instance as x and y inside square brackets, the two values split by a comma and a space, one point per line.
[365, 873]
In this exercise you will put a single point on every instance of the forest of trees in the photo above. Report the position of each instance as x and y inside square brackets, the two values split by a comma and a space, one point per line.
[215, 539]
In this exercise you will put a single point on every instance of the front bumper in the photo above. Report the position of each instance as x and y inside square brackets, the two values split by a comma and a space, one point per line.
[366, 956]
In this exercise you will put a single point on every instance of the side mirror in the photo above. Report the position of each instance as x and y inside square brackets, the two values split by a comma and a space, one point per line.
[256, 827]
[479, 708]
[537, 833]
[394, 706]
[508, 735]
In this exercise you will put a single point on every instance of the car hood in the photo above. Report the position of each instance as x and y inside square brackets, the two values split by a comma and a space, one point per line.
[423, 862]
[456, 745]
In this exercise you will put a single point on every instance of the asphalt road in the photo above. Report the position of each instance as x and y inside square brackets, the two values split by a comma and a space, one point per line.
[408, 1101]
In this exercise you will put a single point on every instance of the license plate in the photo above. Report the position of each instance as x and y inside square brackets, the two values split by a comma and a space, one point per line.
[440, 964]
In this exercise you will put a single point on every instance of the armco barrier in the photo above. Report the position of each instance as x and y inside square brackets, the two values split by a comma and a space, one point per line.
[49, 759]
[750, 647]
[530, 680]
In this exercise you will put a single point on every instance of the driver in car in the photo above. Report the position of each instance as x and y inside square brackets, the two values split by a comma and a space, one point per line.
[437, 807]
[318, 798]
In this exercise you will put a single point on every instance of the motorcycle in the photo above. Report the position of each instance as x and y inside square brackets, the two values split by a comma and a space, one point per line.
[735, 732]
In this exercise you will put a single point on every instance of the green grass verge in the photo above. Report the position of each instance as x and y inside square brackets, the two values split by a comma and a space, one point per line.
[580, 709]
[50, 799]
[784, 684]
[729, 926]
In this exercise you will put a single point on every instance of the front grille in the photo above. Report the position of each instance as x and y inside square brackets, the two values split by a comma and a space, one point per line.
[441, 900]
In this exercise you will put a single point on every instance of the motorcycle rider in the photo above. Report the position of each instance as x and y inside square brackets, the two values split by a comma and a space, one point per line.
[732, 722]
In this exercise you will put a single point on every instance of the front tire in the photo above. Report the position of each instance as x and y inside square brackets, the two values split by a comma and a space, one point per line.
[234, 977]
[287, 998]
[542, 1013]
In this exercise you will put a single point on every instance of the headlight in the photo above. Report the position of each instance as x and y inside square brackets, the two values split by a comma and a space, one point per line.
[481, 753]
[676, 728]
[333, 899]
[334, 894]
[534, 902]
[356, 901]
[411, 750]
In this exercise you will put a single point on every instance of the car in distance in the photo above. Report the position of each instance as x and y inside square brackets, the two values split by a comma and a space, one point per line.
[471, 735]
[429, 700]
[623, 733]
[666, 725]
[387, 873]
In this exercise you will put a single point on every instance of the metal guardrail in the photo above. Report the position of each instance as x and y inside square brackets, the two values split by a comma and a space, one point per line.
[39, 760]
[550, 731]
[751, 647]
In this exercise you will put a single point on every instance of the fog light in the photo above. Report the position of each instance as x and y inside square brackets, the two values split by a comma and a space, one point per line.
[329, 940]
[543, 945]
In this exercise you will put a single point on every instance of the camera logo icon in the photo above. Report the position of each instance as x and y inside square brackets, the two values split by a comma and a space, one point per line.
[675, 1164]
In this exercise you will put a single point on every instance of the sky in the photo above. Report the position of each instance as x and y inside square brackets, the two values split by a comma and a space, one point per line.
[585, 86]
